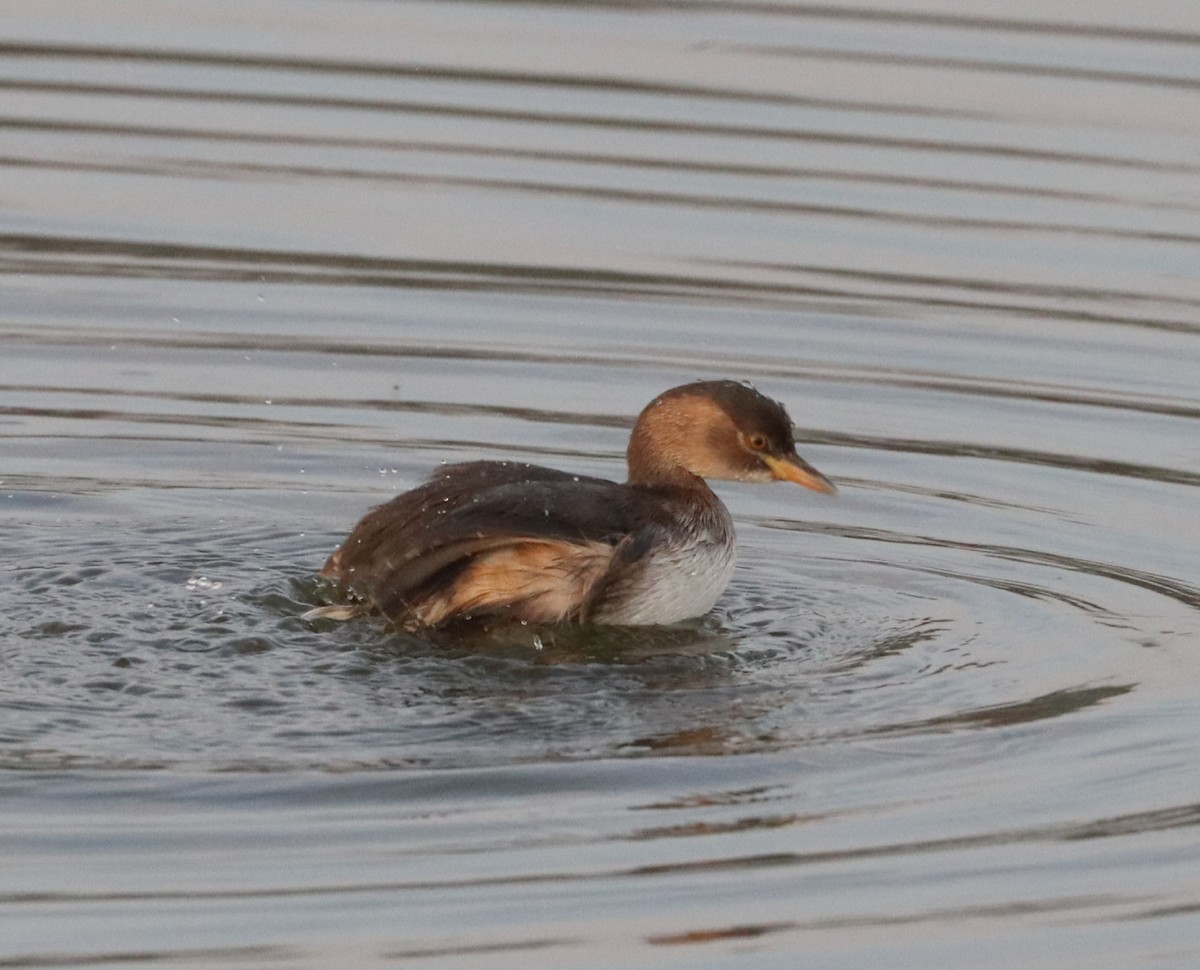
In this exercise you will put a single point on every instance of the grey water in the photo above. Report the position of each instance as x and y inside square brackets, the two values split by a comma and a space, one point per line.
[264, 266]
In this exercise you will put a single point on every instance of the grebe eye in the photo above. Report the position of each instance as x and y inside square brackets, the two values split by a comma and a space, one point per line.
[757, 442]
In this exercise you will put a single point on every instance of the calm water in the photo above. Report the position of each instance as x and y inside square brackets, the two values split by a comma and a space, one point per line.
[263, 266]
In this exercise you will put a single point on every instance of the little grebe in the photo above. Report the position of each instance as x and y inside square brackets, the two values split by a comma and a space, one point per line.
[503, 540]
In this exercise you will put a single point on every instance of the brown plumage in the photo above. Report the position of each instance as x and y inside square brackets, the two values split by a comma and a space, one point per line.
[512, 541]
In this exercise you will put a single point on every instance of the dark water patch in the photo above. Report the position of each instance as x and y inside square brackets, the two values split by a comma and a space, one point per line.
[1167, 586]
[964, 20]
[961, 64]
[436, 72]
[82, 257]
[231, 955]
[197, 168]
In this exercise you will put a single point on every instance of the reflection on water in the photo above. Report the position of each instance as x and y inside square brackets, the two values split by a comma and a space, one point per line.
[263, 270]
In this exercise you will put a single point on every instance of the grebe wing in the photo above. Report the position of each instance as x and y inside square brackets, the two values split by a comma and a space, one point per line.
[491, 534]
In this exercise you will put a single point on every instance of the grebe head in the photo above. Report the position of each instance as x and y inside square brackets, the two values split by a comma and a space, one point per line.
[719, 430]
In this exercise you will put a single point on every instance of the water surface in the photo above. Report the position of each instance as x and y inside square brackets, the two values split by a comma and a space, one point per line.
[264, 267]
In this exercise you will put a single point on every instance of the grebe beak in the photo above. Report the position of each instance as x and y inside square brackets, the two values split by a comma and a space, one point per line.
[793, 468]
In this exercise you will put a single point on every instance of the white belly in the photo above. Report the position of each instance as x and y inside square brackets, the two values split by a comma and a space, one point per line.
[674, 583]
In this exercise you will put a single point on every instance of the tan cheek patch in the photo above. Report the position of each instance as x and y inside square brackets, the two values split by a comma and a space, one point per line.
[697, 430]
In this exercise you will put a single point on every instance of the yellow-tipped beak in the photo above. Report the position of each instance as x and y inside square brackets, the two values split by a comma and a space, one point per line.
[793, 468]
